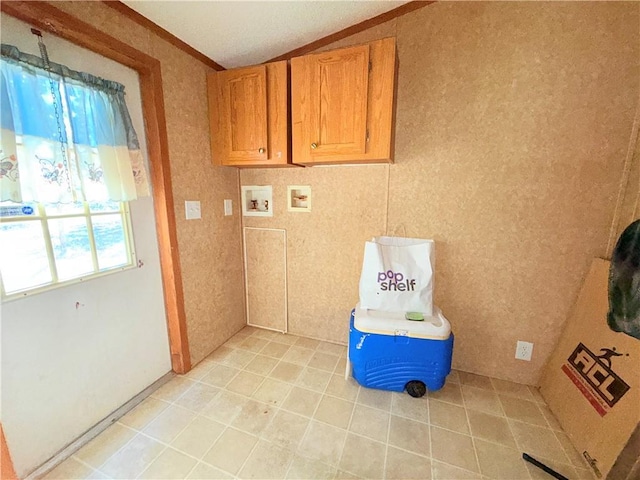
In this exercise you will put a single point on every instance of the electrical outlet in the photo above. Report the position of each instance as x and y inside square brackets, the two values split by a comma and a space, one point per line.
[524, 350]
[228, 207]
[192, 209]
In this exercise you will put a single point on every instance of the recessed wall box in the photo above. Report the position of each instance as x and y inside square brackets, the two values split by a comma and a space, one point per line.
[257, 201]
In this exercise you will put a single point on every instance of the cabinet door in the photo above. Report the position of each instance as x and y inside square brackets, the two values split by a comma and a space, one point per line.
[244, 97]
[338, 103]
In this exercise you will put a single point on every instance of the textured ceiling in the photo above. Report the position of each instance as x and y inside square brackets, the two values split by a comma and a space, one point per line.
[239, 33]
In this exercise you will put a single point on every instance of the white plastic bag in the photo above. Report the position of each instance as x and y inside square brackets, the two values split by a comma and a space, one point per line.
[397, 275]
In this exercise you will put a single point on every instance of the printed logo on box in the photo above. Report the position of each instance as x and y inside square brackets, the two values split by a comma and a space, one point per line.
[593, 375]
[395, 281]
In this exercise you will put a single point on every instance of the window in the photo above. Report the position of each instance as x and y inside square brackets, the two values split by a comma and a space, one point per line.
[70, 162]
[51, 244]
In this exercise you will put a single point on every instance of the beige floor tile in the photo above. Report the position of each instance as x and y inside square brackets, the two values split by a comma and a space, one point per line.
[237, 358]
[512, 389]
[286, 429]
[230, 450]
[539, 441]
[286, 338]
[454, 376]
[169, 423]
[131, 461]
[235, 341]
[274, 349]
[551, 419]
[577, 460]
[175, 387]
[224, 407]
[97, 475]
[474, 380]
[481, 399]
[449, 393]
[341, 366]
[302, 468]
[345, 389]
[409, 435]
[170, 464]
[272, 391]
[324, 361]
[404, 405]
[298, 355]
[490, 427]
[379, 399]
[287, 372]
[314, 379]
[220, 375]
[355, 460]
[202, 471]
[266, 334]
[98, 450]
[220, 353]
[70, 469]
[583, 474]
[302, 401]
[142, 414]
[522, 410]
[254, 417]
[334, 411]
[261, 365]
[323, 442]
[245, 383]
[370, 422]
[197, 397]
[198, 437]
[307, 343]
[403, 465]
[443, 471]
[267, 461]
[499, 462]
[253, 344]
[562, 468]
[446, 415]
[537, 396]
[453, 448]
[201, 369]
[332, 348]
[340, 475]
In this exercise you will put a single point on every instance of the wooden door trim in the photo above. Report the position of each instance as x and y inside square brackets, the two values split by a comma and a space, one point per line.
[48, 18]
[7, 472]
[352, 30]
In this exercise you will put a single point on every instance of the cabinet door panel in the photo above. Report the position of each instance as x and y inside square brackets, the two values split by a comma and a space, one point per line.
[338, 108]
[245, 106]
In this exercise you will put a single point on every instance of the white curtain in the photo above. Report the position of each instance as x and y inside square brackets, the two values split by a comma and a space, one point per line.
[101, 160]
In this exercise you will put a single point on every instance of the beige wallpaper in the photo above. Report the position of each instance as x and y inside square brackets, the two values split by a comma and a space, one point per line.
[210, 249]
[513, 124]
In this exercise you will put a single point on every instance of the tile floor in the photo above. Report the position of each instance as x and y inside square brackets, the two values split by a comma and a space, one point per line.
[272, 406]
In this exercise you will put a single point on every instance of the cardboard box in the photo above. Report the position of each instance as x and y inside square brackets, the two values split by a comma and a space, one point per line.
[592, 380]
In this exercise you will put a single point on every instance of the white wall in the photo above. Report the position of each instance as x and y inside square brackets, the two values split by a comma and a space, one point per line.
[65, 368]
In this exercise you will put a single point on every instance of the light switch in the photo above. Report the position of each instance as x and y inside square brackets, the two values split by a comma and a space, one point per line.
[228, 207]
[192, 210]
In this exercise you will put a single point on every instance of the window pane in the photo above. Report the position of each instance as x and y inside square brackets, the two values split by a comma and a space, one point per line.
[54, 209]
[23, 256]
[104, 207]
[110, 241]
[70, 241]
[12, 209]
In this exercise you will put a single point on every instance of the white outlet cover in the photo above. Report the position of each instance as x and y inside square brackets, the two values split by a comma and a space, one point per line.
[524, 350]
[192, 210]
[228, 207]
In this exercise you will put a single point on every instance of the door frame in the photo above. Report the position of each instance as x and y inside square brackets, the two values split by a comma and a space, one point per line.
[50, 19]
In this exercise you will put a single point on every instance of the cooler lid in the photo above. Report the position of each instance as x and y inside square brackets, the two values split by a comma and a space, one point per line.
[435, 327]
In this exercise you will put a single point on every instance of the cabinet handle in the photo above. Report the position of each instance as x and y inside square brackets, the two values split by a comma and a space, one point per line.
[261, 150]
[314, 146]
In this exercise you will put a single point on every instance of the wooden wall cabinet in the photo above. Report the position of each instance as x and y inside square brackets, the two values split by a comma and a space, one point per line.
[248, 111]
[342, 104]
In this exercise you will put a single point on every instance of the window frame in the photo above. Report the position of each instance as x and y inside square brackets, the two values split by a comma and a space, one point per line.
[43, 218]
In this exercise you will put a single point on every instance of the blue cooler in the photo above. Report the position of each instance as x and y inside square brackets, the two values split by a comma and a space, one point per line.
[389, 352]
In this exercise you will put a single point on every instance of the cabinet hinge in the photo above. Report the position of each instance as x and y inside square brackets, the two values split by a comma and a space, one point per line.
[367, 135]
[370, 65]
